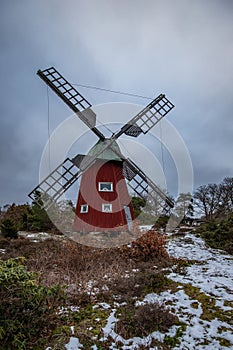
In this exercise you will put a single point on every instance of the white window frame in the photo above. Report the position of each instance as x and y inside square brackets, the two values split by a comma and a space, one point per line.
[105, 189]
[106, 211]
[82, 208]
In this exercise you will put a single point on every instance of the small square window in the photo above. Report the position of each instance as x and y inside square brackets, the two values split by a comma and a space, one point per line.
[84, 208]
[105, 186]
[107, 208]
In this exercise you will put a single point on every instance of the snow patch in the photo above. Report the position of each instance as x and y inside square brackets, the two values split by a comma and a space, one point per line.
[74, 344]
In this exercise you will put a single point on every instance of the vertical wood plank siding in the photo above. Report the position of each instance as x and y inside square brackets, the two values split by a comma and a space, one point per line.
[95, 219]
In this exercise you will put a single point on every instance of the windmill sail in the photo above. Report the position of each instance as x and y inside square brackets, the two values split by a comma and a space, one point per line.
[139, 182]
[71, 97]
[147, 118]
[64, 176]
[56, 183]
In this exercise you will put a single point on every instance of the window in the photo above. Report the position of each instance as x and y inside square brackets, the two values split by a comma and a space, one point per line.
[105, 186]
[84, 208]
[107, 208]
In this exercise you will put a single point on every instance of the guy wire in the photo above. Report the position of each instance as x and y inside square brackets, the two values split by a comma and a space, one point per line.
[48, 128]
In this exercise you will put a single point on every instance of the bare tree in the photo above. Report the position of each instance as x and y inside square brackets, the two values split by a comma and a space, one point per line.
[215, 200]
[208, 199]
[226, 189]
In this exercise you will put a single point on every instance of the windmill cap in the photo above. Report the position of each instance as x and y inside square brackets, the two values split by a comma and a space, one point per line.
[113, 153]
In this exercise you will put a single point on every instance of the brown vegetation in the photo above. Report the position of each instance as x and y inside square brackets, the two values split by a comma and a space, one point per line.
[64, 261]
[143, 320]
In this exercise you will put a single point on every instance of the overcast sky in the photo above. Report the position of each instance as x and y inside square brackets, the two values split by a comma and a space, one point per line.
[183, 48]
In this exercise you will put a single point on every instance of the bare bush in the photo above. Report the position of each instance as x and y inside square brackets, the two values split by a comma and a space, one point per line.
[149, 246]
[143, 320]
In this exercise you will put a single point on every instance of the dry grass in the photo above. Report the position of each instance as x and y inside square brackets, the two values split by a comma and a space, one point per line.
[66, 262]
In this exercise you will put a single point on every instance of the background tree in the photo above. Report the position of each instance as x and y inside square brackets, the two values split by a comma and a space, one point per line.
[17, 214]
[208, 198]
[25, 218]
[215, 200]
[184, 206]
[38, 219]
[150, 209]
[226, 190]
[8, 228]
[138, 203]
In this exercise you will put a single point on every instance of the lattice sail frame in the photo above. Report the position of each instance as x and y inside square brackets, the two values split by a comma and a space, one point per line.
[147, 118]
[56, 184]
[71, 97]
[141, 184]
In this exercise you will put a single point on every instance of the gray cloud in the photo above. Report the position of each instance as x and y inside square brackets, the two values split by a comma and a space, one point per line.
[183, 48]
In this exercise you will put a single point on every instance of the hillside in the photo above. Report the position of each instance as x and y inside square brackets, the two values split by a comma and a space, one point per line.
[147, 296]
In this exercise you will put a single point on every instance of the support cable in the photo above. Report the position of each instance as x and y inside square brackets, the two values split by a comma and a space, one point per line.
[48, 129]
[113, 91]
[104, 126]
[162, 147]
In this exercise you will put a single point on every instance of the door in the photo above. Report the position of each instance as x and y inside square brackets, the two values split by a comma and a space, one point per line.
[128, 217]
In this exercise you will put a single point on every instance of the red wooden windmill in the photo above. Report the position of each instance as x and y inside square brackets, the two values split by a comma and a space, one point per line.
[103, 201]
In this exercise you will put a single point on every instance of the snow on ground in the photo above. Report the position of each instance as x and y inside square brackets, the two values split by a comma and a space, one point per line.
[35, 236]
[214, 274]
[202, 301]
[145, 228]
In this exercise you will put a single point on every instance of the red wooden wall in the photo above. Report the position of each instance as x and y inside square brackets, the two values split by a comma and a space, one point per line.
[95, 219]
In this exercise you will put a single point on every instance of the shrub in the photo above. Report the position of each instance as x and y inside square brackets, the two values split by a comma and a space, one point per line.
[143, 320]
[9, 229]
[161, 222]
[149, 246]
[26, 309]
[218, 235]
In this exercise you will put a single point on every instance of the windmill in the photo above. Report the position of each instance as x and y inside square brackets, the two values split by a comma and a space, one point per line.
[103, 202]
